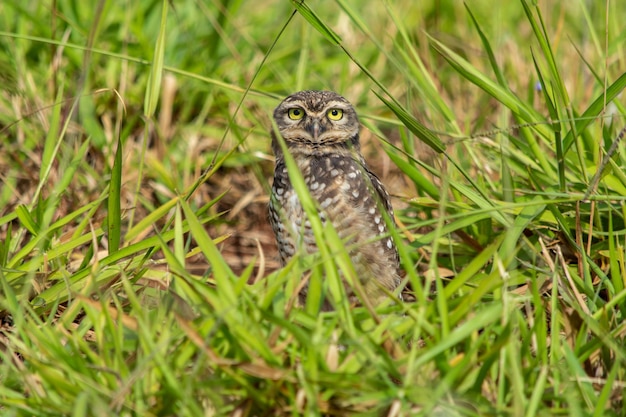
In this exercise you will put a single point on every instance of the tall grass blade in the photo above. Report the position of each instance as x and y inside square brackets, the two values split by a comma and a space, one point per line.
[594, 110]
[310, 16]
[114, 205]
[417, 128]
[156, 69]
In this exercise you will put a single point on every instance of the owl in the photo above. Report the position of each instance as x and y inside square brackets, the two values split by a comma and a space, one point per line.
[321, 131]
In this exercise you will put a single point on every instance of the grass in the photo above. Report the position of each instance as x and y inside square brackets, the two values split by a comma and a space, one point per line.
[138, 272]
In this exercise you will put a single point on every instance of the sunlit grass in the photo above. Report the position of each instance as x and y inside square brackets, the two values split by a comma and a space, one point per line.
[135, 157]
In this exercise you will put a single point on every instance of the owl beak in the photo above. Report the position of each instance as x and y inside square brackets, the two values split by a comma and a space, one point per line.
[314, 129]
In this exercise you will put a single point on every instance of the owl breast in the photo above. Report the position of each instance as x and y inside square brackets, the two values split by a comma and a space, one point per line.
[351, 198]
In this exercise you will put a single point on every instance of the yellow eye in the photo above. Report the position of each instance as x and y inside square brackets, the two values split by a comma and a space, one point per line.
[296, 113]
[334, 114]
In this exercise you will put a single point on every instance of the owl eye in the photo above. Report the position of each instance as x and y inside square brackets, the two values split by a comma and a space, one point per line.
[296, 113]
[334, 114]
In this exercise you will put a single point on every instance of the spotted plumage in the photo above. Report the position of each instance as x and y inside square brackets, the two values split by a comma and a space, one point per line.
[321, 131]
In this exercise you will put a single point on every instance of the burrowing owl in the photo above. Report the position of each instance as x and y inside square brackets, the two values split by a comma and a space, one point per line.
[321, 130]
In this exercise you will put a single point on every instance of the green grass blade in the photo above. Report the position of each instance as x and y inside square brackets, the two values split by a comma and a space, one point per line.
[482, 319]
[487, 47]
[224, 277]
[114, 205]
[594, 110]
[156, 69]
[310, 16]
[26, 220]
[417, 128]
[421, 182]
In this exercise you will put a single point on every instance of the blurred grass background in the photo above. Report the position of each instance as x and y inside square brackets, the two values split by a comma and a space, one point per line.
[139, 274]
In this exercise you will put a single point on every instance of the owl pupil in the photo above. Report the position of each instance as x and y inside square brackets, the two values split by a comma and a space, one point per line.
[334, 112]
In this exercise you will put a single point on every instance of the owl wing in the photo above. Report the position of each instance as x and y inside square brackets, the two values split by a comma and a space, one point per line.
[384, 201]
[381, 192]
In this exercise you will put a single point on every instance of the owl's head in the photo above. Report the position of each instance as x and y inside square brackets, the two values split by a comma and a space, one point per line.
[317, 120]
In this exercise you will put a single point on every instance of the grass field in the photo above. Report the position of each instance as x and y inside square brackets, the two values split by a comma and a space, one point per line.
[139, 274]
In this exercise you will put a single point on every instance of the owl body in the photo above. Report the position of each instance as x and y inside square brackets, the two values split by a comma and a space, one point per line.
[321, 131]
